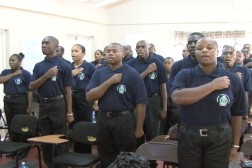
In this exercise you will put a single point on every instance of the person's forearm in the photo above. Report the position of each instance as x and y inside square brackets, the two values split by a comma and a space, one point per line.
[4, 79]
[163, 93]
[29, 97]
[236, 124]
[140, 116]
[144, 74]
[37, 83]
[97, 92]
[191, 95]
[68, 98]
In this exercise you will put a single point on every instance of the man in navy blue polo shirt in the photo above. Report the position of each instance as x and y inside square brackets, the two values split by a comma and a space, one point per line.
[212, 102]
[120, 91]
[152, 52]
[244, 73]
[53, 79]
[188, 62]
[153, 73]
[60, 52]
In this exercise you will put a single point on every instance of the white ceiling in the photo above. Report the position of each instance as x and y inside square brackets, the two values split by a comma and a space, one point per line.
[97, 3]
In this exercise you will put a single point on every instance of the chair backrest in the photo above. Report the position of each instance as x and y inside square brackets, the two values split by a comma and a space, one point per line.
[165, 151]
[173, 132]
[246, 147]
[24, 124]
[84, 132]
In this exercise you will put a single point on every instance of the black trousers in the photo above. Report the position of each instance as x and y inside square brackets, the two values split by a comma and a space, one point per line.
[204, 147]
[13, 106]
[115, 134]
[82, 110]
[52, 120]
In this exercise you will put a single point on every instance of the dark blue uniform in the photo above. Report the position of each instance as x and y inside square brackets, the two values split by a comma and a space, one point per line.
[68, 62]
[246, 76]
[160, 57]
[185, 63]
[125, 60]
[116, 120]
[204, 127]
[96, 63]
[53, 87]
[82, 109]
[52, 104]
[152, 84]
[15, 99]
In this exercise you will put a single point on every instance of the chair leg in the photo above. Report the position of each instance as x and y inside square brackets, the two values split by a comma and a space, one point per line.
[39, 156]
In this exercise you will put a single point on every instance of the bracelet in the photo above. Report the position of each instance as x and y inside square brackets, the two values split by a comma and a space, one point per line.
[236, 146]
[69, 114]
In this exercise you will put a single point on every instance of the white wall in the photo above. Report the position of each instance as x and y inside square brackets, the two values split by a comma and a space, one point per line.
[157, 20]
[23, 24]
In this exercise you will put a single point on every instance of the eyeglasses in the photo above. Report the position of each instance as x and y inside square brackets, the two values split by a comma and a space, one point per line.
[245, 51]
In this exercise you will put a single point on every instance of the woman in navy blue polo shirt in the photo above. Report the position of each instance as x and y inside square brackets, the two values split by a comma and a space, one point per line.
[82, 72]
[212, 103]
[17, 99]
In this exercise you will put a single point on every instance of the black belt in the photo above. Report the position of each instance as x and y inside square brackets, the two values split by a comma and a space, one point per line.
[117, 113]
[52, 98]
[15, 95]
[152, 94]
[203, 130]
[79, 91]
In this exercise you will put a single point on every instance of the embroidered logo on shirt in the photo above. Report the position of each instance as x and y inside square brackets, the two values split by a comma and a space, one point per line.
[81, 76]
[18, 81]
[121, 89]
[54, 78]
[153, 75]
[223, 100]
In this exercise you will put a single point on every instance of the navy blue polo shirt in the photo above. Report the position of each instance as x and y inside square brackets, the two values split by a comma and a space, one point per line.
[160, 57]
[185, 63]
[52, 87]
[18, 84]
[104, 64]
[216, 108]
[68, 62]
[246, 76]
[125, 60]
[124, 95]
[96, 63]
[82, 80]
[153, 80]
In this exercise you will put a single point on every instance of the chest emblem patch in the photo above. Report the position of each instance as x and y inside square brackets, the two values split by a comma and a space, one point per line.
[223, 100]
[81, 76]
[121, 89]
[18, 81]
[153, 75]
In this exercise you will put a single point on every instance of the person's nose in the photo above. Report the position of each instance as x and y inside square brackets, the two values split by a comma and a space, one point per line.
[204, 50]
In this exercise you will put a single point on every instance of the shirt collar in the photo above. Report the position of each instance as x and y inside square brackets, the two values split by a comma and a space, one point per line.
[147, 61]
[216, 73]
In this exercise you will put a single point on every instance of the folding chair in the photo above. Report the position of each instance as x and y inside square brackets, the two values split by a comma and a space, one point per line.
[164, 151]
[83, 132]
[246, 148]
[23, 125]
[4, 126]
